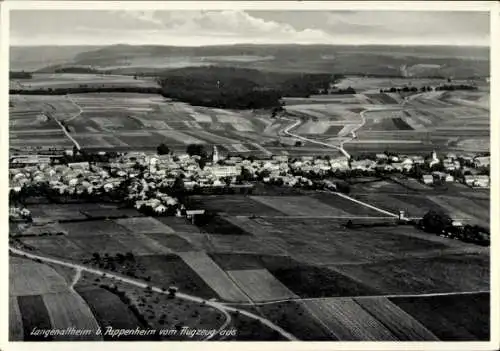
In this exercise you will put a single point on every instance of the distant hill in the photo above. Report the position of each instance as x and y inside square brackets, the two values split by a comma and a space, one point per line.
[459, 62]
[32, 58]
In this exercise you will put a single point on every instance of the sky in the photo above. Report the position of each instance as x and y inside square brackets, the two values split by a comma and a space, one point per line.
[197, 28]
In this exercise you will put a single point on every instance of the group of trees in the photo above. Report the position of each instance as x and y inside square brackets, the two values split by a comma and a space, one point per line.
[452, 87]
[20, 75]
[404, 89]
[440, 223]
[239, 88]
[87, 89]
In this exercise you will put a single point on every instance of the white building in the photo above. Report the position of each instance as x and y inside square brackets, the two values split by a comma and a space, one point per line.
[428, 179]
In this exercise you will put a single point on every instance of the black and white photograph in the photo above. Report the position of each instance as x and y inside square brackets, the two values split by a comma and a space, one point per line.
[248, 174]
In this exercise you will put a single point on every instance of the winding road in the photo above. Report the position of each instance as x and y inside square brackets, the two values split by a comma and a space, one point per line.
[217, 305]
[340, 147]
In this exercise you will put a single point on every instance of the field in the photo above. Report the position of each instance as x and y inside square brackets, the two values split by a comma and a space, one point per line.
[260, 285]
[446, 121]
[345, 319]
[266, 248]
[41, 298]
[213, 275]
[72, 80]
[445, 319]
[127, 121]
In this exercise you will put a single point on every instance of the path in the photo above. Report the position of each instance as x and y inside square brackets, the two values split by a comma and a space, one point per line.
[78, 106]
[389, 296]
[353, 132]
[217, 305]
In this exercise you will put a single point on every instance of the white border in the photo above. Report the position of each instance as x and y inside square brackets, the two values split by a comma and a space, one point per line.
[491, 6]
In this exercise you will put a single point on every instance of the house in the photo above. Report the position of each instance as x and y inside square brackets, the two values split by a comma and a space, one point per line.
[407, 161]
[398, 166]
[482, 181]
[482, 161]
[280, 158]
[449, 178]
[439, 175]
[428, 179]
[469, 180]
[79, 165]
[381, 157]
[363, 164]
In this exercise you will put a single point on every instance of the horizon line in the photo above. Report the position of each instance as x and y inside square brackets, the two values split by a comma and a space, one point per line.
[252, 44]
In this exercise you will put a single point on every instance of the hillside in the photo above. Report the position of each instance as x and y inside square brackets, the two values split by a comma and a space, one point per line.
[460, 62]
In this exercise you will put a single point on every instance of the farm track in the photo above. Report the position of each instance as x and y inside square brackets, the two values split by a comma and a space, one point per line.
[340, 147]
[76, 105]
[217, 305]
[390, 296]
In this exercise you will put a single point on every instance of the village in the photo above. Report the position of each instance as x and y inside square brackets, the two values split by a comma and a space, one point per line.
[154, 182]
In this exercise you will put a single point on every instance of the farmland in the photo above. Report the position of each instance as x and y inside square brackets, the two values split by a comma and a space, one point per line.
[69, 80]
[44, 300]
[319, 265]
[262, 249]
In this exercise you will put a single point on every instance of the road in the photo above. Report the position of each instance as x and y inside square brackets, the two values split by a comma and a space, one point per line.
[67, 134]
[217, 305]
[353, 132]
[78, 106]
[389, 296]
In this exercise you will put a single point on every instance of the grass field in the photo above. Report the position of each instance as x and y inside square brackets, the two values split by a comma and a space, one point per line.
[16, 331]
[451, 318]
[293, 316]
[214, 276]
[69, 309]
[299, 206]
[260, 285]
[145, 225]
[401, 324]
[109, 310]
[233, 205]
[34, 315]
[31, 278]
[345, 319]
[443, 273]
[70, 80]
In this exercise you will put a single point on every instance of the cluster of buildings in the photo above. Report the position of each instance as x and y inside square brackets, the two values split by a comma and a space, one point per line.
[149, 180]
[449, 168]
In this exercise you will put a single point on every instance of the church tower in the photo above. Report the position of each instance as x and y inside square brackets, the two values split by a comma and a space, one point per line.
[215, 156]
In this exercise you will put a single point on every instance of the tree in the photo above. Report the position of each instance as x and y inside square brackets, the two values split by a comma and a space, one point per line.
[162, 149]
[298, 143]
[202, 162]
[436, 221]
[196, 149]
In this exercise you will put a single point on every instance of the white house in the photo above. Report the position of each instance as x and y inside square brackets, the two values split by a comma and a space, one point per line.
[482, 161]
[449, 178]
[428, 179]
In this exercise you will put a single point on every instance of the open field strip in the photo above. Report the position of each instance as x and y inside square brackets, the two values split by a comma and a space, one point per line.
[30, 278]
[221, 307]
[180, 137]
[365, 204]
[213, 275]
[146, 225]
[141, 244]
[361, 298]
[260, 284]
[401, 324]
[299, 205]
[346, 320]
[70, 309]
[15, 320]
